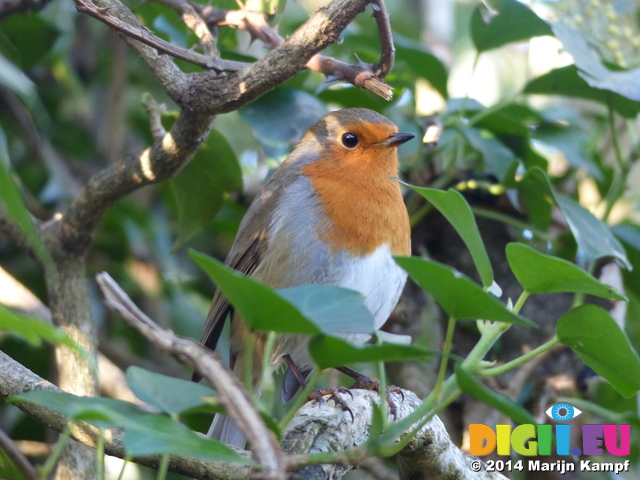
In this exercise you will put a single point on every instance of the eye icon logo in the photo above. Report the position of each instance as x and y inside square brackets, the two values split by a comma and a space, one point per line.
[562, 412]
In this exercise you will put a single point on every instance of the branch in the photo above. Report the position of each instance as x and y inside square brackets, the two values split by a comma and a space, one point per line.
[206, 362]
[387, 55]
[16, 379]
[153, 165]
[323, 428]
[195, 22]
[324, 27]
[362, 75]
[10, 230]
[11, 450]
[144, 35]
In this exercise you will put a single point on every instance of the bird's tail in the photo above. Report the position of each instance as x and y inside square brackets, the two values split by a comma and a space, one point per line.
[225, 429]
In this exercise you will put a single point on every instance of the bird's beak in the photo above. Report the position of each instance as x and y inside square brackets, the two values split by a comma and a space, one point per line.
[396, 139]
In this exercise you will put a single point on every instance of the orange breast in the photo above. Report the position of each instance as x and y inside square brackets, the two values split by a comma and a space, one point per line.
[364, 206]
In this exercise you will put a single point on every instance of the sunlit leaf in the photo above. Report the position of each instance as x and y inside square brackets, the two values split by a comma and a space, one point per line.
[594, 238]
[592, 70]
[35, 331]
[513, 22]
[566, 81]
[540, 273]
[156, 434]
[145, 433]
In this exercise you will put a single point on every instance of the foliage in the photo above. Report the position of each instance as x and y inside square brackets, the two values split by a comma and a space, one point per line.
[508, 151]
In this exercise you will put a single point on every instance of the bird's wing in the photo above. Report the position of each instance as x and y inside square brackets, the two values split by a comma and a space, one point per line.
[247, 250]
[244, 261]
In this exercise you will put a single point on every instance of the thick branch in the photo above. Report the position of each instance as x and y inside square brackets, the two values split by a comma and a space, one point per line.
[153, 165]
[16, 379]
[361, 74]
[228, 94]
[323, 428]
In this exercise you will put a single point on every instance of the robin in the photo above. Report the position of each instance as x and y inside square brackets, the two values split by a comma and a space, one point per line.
[331, 214]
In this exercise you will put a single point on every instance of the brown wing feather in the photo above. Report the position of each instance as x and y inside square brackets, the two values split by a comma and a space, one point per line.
[245, 262]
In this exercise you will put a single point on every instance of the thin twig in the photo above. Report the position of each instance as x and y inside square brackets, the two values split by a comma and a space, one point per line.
[145, 36]
[230, 393]
[387, 50]
[195, 22]
[155, 117]
[17, 457]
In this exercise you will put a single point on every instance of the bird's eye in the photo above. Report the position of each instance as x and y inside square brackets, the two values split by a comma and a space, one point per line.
[349, 140]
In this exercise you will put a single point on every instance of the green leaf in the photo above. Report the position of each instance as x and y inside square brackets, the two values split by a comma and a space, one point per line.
[8, 468]
[99, 411]
[594, 238]
[12, 202]
[14, 80]
[156, 434]
[35, 331]
[598, 340]
[540, 273]
[263, 308]
[499, 401]
[145, 433]
[457, 211]
[626, 83]
[457, 294]
[537, 196]
[329, 352]
[200, 188]
[295, 111]
[566, 81]
[160, 390]
[422, 63]
[332, 308]
[511, 119]
[513, 23]
[495, 155]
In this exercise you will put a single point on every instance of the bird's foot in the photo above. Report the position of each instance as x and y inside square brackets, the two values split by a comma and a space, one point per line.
[335, 394]
[363, 382]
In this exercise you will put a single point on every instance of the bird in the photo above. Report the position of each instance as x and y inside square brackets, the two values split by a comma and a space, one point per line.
[332, 213]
